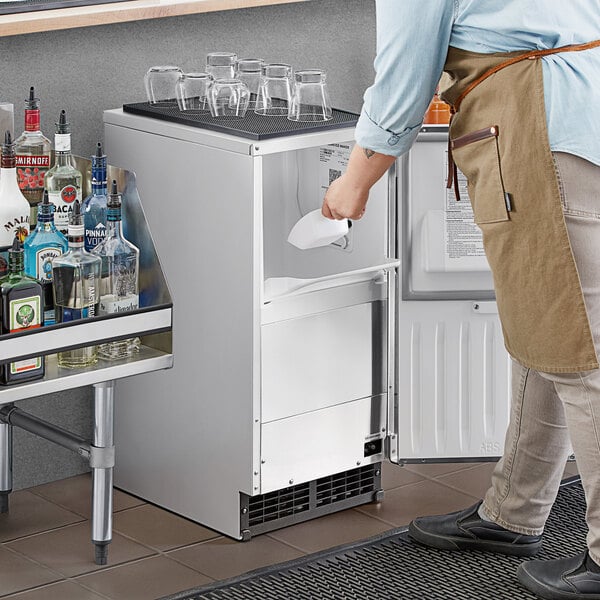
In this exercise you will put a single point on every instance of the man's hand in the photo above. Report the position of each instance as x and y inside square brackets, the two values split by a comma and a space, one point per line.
[347, 196]
[345, 199]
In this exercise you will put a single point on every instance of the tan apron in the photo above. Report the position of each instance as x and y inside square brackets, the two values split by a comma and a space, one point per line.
[499, 140]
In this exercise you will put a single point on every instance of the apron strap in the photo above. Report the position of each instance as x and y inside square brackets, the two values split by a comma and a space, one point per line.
[533, 55]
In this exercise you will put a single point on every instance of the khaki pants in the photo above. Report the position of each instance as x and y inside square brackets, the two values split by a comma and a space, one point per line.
[551, 411]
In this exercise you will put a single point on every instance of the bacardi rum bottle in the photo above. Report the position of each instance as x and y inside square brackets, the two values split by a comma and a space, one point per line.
[14, 208]
[21, 309]
[76, 276]
[33, 150]
[119, 279]
[63, 180]
[94, 206]
[41, 247]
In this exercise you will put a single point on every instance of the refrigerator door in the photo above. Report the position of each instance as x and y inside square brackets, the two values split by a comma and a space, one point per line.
[452, 379]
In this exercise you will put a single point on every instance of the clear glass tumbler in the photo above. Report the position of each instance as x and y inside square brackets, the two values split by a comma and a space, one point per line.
[249, 71]
[161, 85]
[192, 92]
[275, 91]
[228, 98]
[221, 65]
[310, 101]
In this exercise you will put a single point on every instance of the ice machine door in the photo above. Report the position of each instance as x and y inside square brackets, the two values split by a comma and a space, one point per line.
[452, 373]
[440, 246]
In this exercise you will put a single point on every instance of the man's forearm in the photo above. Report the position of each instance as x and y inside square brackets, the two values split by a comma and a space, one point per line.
[366, 167]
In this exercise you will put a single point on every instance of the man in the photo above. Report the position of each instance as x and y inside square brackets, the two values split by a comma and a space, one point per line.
[523, 78]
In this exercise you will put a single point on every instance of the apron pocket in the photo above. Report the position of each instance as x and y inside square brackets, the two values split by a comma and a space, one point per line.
[477, 155]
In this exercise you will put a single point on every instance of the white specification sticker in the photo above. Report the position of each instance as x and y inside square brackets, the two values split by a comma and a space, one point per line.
[333, 161]
[463, 240]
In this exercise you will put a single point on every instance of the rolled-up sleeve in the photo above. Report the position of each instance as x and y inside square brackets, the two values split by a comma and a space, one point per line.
[412, 44]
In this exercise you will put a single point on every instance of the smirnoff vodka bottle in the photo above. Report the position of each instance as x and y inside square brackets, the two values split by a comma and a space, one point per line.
[119, 283]
[63, 180]
[32, 149]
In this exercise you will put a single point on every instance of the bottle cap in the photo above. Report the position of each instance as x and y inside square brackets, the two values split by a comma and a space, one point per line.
[76, 228]
[32, 103]
[114, 198]
[63, 126]
[45, 209]
[8, 152]
[16, 246]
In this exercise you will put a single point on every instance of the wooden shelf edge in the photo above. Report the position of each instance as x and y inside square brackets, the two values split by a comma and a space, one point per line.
[120, 12]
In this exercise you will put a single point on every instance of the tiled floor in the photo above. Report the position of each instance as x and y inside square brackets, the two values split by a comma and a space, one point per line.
[46, 554]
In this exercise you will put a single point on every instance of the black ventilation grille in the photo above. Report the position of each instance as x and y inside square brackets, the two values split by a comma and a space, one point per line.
[305, 501]
[252, 126]
[336, 488]
[279, 504]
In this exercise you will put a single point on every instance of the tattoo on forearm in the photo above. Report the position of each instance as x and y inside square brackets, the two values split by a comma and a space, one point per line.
[369, 153]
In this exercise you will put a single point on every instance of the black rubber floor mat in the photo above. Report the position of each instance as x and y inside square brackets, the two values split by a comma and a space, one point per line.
[390, 567]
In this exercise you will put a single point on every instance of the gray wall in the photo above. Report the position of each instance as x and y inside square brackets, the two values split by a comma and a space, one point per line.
[86, 71]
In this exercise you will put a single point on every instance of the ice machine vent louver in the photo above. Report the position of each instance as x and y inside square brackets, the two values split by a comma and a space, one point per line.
[297, 503]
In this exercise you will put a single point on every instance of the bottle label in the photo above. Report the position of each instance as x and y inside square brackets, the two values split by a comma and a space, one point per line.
[94, 236]
[18, 227]
[31, 171]
[43, 263]
[63, 205]
[111, 303]
[62, 142]
[32, 120]
[25, 313]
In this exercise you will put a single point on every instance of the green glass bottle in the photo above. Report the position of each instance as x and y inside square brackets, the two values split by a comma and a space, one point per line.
[22, 308]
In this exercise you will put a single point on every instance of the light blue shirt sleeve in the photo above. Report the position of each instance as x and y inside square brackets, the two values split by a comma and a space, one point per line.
[412, 43]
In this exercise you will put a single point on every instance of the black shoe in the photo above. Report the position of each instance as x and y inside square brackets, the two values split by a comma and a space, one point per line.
[466, 530]
[566, 578]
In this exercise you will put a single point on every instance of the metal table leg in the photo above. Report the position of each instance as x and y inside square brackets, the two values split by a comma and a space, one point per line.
[102, 469]
[5, 465]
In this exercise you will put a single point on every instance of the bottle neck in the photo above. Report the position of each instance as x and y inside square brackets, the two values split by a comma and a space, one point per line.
[99, 181]
[15, 263]
[62, 144]
[32, 120]
[75, 236]
[8, 180]
[45, 218]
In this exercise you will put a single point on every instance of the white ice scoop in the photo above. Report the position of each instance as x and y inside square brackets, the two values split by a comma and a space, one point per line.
[314, 230]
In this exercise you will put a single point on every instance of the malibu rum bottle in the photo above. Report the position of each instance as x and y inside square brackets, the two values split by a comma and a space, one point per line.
[41, 247]
[63, 180]
[76, 276]
[119, 282]
[32, 149]
[14, 208]
[22, 308]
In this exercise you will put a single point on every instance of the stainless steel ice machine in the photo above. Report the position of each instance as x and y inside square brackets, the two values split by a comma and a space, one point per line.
[284, 396]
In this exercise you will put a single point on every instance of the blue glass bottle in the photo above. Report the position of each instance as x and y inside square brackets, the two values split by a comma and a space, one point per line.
[41, 246]
[94, 206]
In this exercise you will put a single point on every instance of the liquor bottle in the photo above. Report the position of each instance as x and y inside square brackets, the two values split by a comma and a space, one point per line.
[41, 247]
[76, 276]
[14, 208]
[63, 180]
[32, 149]
[94, 206]
[21, 309]
[119, 281]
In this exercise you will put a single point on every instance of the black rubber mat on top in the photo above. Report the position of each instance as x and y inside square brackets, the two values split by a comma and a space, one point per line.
[8, 8]
[251, 126]
[390, 567]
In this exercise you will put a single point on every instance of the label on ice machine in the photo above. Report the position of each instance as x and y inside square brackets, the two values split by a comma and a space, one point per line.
[333, 161]
[463, 239]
